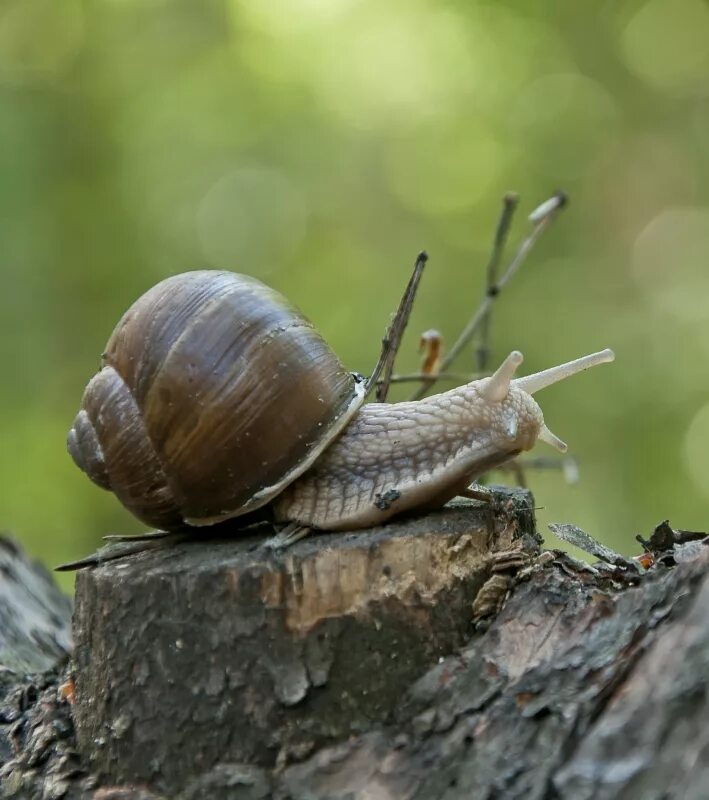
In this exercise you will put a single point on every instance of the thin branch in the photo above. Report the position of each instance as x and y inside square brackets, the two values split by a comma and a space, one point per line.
[567, 465]
[392, 337]
[517, 469]
[540, 224]
[509, 205]
[541, 218]
[419, 377]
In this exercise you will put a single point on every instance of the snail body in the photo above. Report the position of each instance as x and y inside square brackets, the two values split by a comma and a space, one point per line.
[216, 397]
[400, 457]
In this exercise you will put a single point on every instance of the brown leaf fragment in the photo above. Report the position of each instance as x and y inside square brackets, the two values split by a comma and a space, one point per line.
[491, 596]
[664, 538]
[645, 560]
[66, 691]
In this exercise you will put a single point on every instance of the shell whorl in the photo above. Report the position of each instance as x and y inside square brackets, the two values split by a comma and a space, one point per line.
[214, 394]
[108, 441]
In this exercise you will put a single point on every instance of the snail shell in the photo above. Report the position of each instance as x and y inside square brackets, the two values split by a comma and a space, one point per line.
[214, 394]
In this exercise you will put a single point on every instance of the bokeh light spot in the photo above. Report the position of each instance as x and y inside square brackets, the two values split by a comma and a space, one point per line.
[696, 452]
[445, 171]
[670, 260]
[251, 220]
[567, 117]
[407, 67]
[667, 44]
[38, 37]
[288, 16]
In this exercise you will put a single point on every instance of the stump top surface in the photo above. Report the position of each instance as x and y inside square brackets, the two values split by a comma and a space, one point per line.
[217, 552]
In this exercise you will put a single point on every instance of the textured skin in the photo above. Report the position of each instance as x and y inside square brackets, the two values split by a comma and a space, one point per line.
[395, 458]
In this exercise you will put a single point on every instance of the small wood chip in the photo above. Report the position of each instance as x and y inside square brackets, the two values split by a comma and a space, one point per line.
[579, 538]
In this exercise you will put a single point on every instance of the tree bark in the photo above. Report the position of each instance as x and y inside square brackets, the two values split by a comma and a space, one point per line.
[224, 650]
[590, 682]
[578, 690]
[35, 617]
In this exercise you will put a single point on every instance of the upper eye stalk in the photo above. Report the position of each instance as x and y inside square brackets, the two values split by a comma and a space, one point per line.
[496, 388]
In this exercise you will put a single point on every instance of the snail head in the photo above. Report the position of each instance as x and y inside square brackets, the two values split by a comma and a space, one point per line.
[511, 407]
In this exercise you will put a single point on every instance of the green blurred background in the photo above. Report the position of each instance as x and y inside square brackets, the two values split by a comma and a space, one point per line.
[319, 144]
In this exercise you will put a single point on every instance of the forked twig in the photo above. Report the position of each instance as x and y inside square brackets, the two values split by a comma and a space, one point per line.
[392, 337]
[540, 222]
[509, 206]
[567, 465]
[540, 218]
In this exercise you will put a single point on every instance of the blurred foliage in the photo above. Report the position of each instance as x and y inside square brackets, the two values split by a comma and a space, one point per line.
[319, 145]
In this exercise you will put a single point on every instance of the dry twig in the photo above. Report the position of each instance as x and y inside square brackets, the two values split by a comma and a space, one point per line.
[540, 218]
[392, 338]
[509, 205]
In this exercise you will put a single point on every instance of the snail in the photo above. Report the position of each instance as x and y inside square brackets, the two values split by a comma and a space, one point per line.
[216, 397]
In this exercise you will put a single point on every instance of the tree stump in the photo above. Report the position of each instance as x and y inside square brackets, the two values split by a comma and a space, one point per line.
[225, 650]
[590, 683]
